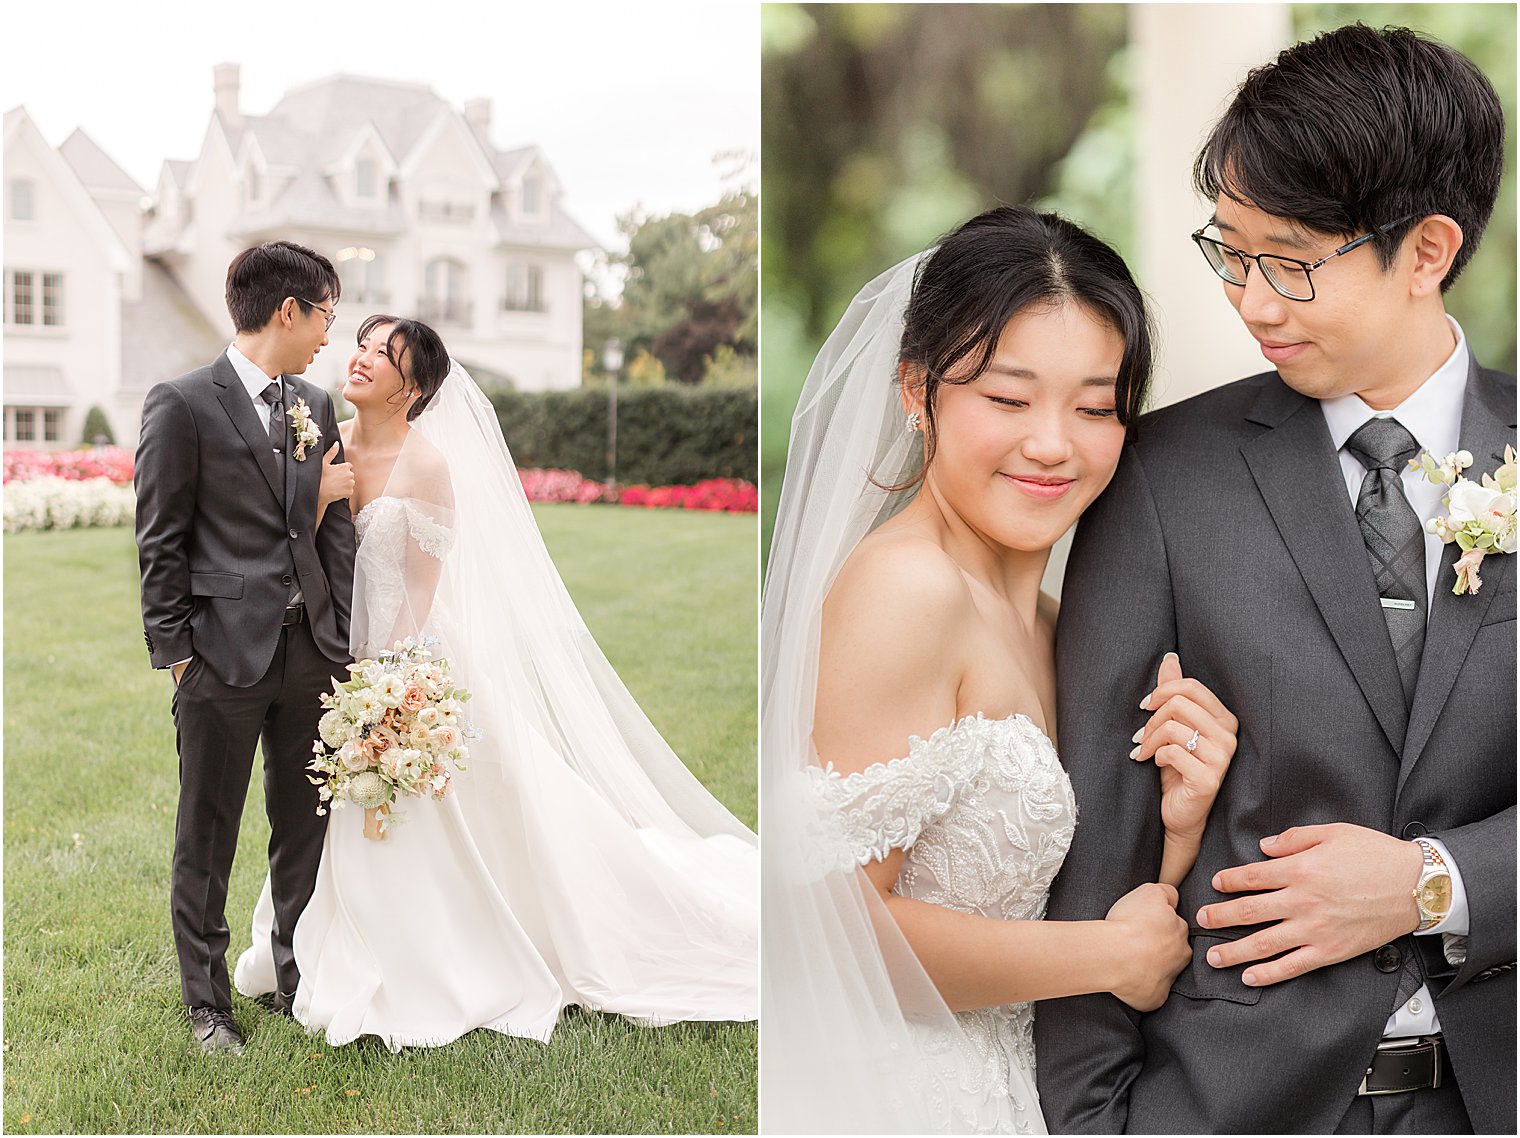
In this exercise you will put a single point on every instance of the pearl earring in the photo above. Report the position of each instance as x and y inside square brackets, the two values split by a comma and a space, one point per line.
[912, 420]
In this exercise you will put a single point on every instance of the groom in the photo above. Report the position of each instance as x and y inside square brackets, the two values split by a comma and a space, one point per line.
[246, 599]
[1271, 532]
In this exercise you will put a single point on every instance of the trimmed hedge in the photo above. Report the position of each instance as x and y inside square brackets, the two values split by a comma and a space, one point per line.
[667, 436]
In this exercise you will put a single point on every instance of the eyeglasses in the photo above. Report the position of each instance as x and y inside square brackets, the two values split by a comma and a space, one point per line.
[1288, 276]
[328, 314]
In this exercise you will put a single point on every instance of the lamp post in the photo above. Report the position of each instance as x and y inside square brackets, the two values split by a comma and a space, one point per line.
[612, 363]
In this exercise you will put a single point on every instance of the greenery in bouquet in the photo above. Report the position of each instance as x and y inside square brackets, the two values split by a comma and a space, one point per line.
[392, 729]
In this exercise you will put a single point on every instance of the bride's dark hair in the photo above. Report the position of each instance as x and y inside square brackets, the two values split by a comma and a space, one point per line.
[417, 352]
[983, 274]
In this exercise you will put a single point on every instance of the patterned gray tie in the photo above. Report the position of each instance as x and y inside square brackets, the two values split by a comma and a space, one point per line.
[1394, 538]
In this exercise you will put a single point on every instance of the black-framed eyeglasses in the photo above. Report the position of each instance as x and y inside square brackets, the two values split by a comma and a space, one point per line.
[327, 314]
[1288, 276]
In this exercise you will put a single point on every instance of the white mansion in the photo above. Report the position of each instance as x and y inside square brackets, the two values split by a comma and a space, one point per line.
[421, 213]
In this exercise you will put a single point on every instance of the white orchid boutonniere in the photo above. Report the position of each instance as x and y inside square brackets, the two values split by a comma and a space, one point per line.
[1480, 515]
[307, 432]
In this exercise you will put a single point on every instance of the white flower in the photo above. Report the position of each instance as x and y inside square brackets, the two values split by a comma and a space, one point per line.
[368, 704]
[307, 432]
[1472, 502]
[331, 728]
[390, 690]
[368, 790]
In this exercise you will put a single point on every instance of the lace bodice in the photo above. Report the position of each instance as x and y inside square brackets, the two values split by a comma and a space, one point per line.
[985, 814]
[393, 533]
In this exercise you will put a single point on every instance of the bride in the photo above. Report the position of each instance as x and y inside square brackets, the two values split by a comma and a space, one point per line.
[575, 861]
[969, 406]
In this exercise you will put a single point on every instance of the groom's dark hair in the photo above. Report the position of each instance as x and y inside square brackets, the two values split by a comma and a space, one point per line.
[259, 280]
[1357, 128]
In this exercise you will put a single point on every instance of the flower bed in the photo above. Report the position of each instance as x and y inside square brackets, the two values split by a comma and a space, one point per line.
[111, 463]
[729, 495]
[94, 488]
[51, 502]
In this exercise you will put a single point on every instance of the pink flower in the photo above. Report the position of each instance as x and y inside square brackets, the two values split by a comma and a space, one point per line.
[1468, 580]
[382, 739]
[414, 699]
[447, 738]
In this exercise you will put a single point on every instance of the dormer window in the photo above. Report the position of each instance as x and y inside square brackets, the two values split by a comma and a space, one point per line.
[367, 179]
[532, 196]
[21, 204]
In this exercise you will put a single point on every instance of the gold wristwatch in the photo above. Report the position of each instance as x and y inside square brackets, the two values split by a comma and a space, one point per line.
[1432, 894]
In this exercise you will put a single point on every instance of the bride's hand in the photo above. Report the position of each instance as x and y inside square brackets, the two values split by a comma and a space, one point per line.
[1152, 945]
[1184, 710]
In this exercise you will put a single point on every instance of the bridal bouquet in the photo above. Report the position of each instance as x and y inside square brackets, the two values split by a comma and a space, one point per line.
[392, 729]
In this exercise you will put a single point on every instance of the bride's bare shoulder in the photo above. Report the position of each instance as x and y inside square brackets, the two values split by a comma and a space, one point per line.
[891, 652]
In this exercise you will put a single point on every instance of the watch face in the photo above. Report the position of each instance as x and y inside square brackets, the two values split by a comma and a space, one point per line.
[1435, 894]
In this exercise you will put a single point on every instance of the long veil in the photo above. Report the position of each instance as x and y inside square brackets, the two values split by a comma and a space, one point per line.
[639, 887]
[856, 1039]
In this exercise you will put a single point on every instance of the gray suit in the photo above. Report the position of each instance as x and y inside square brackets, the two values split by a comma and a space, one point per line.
[226, 530]
[1227, 535]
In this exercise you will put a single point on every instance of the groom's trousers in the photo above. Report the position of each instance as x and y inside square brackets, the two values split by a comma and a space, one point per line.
[216, 729]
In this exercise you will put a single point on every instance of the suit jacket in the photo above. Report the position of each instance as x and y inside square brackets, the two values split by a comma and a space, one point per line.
[1227, 535]
[221, 536]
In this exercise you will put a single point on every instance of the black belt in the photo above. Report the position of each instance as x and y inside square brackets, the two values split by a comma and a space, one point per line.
[294, 614]
[1420, 1064]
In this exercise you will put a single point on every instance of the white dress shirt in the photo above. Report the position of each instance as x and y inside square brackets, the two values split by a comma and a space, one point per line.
[1432, 413]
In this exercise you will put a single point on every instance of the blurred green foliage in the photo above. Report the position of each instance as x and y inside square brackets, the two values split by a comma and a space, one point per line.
[672, 435]
[691, 296]
[886, 125]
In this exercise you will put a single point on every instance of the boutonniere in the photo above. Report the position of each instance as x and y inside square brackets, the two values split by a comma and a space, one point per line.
[307, 432]
[1480, 516]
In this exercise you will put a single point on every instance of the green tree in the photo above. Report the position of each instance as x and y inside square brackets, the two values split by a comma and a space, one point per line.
[691, 290]
[97, 429]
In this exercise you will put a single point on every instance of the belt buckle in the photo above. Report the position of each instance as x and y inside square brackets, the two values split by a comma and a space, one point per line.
[1433, 1042]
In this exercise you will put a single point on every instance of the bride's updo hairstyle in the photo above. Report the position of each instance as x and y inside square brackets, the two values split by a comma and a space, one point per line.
[985, 273]
[417, 352]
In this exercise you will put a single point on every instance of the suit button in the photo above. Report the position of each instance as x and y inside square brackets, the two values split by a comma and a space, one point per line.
[285, 580]
[1414, 830]
[1389, 958]
[294, 535]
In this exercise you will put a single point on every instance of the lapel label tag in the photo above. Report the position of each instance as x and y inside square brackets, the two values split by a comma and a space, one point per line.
[1396, 603]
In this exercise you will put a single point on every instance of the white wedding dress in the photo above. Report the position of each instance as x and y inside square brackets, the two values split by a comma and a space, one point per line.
[574, 861]
[985, 814]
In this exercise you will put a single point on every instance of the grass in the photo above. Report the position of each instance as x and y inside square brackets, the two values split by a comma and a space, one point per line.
[95, 1035]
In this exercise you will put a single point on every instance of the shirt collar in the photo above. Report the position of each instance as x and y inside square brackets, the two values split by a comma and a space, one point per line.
[253, 377]
[1432, 413]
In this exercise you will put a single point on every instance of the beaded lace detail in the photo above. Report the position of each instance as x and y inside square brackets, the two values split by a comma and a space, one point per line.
[986, 815]
[431, 537]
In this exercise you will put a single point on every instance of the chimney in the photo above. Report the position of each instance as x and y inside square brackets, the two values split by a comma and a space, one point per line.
[477, 112]
[224, 83]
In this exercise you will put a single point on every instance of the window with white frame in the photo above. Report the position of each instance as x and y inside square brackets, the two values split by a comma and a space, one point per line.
[21, 202]
[20, 296]
[525, 288]
[532, 195]
[23, 424]
[52, 424]
[367, 179]
[52, 299]
[446, 300]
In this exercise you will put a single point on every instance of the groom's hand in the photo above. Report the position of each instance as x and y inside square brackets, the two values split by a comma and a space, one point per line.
[1335, 891]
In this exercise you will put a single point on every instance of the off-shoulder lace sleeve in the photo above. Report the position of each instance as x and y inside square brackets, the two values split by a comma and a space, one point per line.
[887, 805]
[432, 536]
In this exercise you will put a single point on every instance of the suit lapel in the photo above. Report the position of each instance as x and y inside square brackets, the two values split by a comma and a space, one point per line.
[1488, 424]
[234, 400]
[1299, 477]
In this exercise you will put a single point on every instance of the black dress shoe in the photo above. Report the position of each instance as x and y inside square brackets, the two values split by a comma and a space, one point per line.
[215, 1030]
[282, 1003]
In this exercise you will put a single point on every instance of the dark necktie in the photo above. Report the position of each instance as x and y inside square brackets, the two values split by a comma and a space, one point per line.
[1394, 538]
[272, 395]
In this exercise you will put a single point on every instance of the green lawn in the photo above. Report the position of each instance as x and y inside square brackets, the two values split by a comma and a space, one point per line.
[95, 1035]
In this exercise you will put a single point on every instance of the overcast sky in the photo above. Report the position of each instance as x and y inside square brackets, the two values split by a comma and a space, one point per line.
[630, 101]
